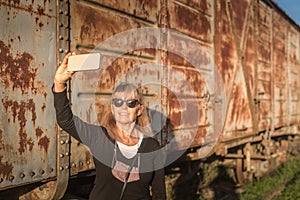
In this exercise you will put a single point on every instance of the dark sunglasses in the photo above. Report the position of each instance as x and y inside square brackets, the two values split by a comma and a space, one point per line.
[131, 103]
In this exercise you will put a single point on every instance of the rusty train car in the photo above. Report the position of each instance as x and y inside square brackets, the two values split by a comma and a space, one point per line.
[220, 77]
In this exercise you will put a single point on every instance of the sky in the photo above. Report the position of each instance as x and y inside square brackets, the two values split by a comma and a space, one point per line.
[291, 7]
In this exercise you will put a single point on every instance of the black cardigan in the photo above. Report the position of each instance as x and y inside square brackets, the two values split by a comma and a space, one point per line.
[102, 147]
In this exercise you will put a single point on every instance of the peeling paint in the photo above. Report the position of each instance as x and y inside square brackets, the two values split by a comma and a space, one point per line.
[6, 169]
[44, 143]
[17, 72]
[19, 112]
[38, 132]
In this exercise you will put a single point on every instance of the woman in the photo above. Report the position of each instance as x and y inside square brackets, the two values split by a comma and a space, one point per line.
[119, 145]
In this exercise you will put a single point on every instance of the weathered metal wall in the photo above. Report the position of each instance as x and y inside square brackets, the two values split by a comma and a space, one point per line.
[27, 120]
[237, 59]
[257, 54]
[173, 86]
[256, 67]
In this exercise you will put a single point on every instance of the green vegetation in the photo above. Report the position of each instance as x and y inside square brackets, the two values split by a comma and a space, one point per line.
[281, 184]
[292, 190]
[217, 182]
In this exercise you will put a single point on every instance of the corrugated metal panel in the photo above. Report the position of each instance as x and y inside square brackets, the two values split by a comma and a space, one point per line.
[99, 26]
[92, 25]
[234, 25]
[143, 9]
[245, 47]
[27, 122]
[264, 83]
[190, 20]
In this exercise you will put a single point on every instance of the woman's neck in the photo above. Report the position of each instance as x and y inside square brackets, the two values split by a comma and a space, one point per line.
[126, 129]
[127, 134]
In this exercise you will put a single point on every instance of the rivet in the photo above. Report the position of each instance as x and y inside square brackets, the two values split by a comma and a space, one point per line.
[61, 37]
[61, 50]
[66, 13]
[61, 168]
[61, 12]
[42, 171]
[32, 173]
[88, 162]
[11, 178]
[61, 25]
[51, 170]
[73, 165]
[81, 163]
[66, 51]
[67, 153]
[62, 142]
[67, 167]
[22, 175]
[61, 155]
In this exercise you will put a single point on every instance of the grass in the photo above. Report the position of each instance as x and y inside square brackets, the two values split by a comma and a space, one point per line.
[292, 189]
[286, 179]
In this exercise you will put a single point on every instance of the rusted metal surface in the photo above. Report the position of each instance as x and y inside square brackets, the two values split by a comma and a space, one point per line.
[192, 18]
[247, 54]
[95, 22]
[27, 122]
[144, 10]
[233, 59]
[252, 54]
[232, 43]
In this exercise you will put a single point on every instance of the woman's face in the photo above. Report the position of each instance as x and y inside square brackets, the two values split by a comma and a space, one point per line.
[124, 114]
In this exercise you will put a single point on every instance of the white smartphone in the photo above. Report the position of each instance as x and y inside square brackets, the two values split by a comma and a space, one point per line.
[84, 62]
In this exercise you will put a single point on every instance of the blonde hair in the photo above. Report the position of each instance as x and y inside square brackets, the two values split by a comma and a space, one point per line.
[142, 121]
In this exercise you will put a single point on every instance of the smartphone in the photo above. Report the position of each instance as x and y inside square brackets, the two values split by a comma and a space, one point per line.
[84, 62]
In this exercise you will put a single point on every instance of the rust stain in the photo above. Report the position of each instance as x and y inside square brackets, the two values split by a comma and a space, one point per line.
[250, 56]
[40, 24]
[192, 22]
[5, 169]
[43, 107]
[193, 53]
[3, 146]
[15, 2]
[239, 11]
[19, 111]
[17, 72]
[240, 108]
[38, 132]
[225, 48]
[193, 77]
[44, 143]
[1, 137]
[227, 54]
[89, 28]
[25, 142]
[88, 156]
[41, 10]
[190, 115]
[175, 114]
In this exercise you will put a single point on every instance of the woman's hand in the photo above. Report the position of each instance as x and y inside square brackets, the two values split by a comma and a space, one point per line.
[62, 75]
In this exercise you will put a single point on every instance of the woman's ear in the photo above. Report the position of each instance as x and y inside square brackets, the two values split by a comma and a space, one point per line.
[140, 110]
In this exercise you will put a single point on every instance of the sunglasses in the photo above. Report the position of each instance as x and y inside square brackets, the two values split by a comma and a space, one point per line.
[131, 103]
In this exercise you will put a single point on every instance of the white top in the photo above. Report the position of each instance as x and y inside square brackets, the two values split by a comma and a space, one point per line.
[130, 151]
